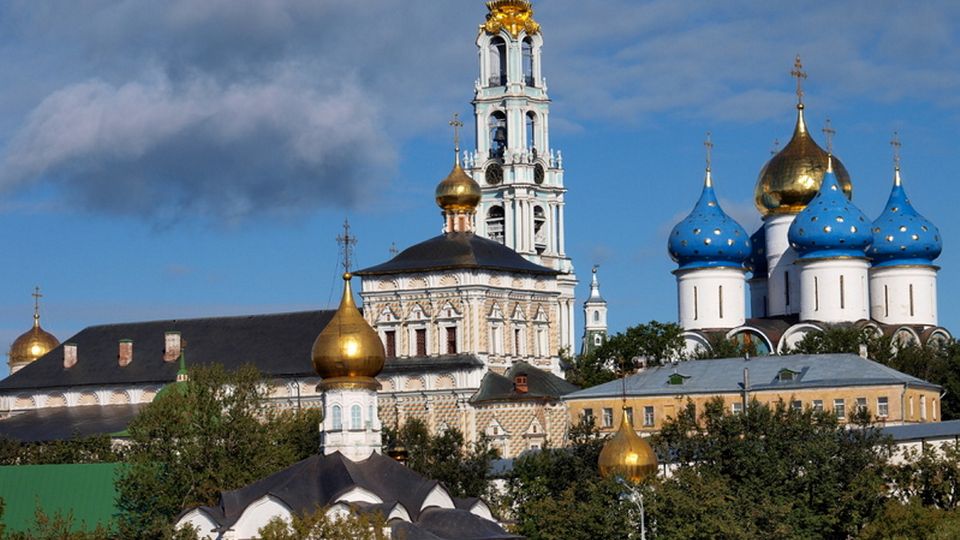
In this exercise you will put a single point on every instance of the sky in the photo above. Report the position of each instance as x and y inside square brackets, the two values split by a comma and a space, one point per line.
[182, 159]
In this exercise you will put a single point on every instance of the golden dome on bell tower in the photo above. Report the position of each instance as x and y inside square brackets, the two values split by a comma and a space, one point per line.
[32, 344]
[348, 353]
[627, 455]
[793, 176]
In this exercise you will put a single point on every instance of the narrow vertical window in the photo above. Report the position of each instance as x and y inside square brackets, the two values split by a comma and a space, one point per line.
[696, 308]
[516, 342]
[923, 408]
[786, 286]
[355, 413]
[842, 295]
[390, 340]
[527, 47]
[720, 294]
[911, 299]
[816, 294]
[421, 336]
[337, 418]
[883, 407]
[648, 418]
[451, 340]
[531, 130]
[498, 62]
[886, 301]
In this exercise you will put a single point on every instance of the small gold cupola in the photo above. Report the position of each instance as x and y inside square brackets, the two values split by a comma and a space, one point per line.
[458, 194]
[34, 343]
[512, 15]
[627, 455]
[793, 175]
[348, 353]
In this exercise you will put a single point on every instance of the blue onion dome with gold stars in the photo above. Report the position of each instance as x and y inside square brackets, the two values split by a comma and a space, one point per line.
[830, 226]
[901, 236]
[708, 237]
[758, 253]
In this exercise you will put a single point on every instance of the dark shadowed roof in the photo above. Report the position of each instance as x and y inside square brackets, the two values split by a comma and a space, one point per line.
[457, 251]
[541, 385]
[278, 344]
[444, 362]
[320, 480]
[61, 423]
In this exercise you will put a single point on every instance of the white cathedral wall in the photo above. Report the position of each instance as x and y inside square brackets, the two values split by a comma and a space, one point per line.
[758, 297]
[711, 298]
[834, 290]
[783, 281]
[904, 295]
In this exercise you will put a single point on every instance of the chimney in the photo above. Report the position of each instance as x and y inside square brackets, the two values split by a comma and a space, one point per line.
[520, 384]
[69, 355]
[171, 346]
[126, 352]
[863, 351]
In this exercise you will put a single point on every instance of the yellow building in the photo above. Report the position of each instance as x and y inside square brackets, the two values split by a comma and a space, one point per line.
[837, 383]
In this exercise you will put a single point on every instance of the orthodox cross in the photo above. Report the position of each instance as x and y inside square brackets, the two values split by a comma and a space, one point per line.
[346, 242]
[36, 304]
[829, 132]
[895, 143]
[393, 249]
[776, 147]
[457, 124]
[800, 75]
[708, 144]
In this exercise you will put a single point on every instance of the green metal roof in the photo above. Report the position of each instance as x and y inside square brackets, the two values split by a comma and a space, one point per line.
[86, 490]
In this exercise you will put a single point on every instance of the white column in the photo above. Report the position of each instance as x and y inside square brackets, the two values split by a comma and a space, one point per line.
[560, 229]
[832, 290]
[904, 295]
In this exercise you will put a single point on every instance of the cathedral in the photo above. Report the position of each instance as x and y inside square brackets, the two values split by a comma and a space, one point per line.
[817, 260]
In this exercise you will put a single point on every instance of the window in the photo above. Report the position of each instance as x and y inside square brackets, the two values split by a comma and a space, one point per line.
[495, 223]
[923, 407]
[355, 417]
[369, 423]
[796, 405]
[818, 405]
[720, 298]
[534, 446]
[451, 340]
[629, 412]
[498, 134]
[517, 336]
[736, 407]
[421, 336]
[886, 301]
[883, 407]
[531, 130]
[596, 316]
[786, 375]
[675, 378]
[911, 406]
[539, 229]
[648, 417]
[816, 294]
[498, 62]
[911, 299]
[337, 418]
[696, 308]
[542, 342]
[861, 405]
[587, 415]
[597, 340]
[390, 343]
[839, 409]
[607, 417]
[496, 339]
[527, 49]
[842, 295]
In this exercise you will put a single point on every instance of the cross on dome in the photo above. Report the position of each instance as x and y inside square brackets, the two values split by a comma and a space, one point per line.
[708, 144]
[457, 124]
[828, 133]
[347, 243]
[800, 75]
[36, 305]
[896, 144]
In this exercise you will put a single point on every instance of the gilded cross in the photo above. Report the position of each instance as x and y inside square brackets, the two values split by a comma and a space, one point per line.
[829, 132]
[800, 74]
[895, 143]
[457, 124]
[36, 303]
[708, 144]
[346, 242]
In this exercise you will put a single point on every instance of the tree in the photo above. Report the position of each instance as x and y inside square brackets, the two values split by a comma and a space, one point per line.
[92, 449]
[463, 469]
[317, 525]
[721, 347]
[210, 434]
[650, 344]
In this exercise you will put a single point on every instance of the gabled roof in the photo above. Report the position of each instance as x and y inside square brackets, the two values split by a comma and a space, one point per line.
[452, 251]
[725, 375]
[62, 423]
[320, 480]
[278, 344]
[541, 385]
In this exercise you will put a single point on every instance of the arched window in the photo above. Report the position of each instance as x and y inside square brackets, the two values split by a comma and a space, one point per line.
[495, 223]
[539, 231]
[532, 130]
[498, 133]
[596, 316]
[498, 62]
[528, 62]
[337, 417]
[355, 417]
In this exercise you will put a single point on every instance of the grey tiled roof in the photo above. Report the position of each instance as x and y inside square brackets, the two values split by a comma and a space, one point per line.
[927, 430]
[726, 375]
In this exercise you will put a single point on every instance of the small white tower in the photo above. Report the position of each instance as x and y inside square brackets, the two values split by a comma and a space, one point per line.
[520, 173]
[595, 317]
[903, 279]
[711, 249]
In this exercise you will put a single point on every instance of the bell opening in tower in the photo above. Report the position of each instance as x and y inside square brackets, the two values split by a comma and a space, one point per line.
[498, 134]
[539, 231]
[495, 223]
[528, 78]
[498, 62]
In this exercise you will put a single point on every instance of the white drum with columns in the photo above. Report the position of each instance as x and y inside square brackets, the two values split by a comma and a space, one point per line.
[711, 298]
[783, 281]
[351, 424]
[904, 294]
[834, 290]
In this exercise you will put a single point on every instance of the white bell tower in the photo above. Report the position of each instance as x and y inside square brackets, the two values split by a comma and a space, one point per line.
[521, 175]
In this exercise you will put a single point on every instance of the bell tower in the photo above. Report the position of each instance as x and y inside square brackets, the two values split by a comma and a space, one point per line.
[520, 174]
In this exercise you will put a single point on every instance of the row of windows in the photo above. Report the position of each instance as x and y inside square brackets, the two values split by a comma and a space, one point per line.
[606, 419]
[356, 419]
[498, 61]
[418, 346]
[497, 131]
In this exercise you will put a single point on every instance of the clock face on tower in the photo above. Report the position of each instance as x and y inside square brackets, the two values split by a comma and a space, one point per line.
[538, 173]
[494, 174]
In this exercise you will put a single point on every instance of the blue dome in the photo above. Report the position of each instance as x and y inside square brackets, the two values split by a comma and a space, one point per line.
[708, 237]
[830, 226]
[901, 235]
[758, 253]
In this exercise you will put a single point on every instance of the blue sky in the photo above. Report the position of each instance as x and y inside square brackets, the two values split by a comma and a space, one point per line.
[180, 159]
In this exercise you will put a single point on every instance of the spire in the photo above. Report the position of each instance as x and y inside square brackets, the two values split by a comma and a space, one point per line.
[36, 307]
[895, 143]
[595, 285]
[708, 144]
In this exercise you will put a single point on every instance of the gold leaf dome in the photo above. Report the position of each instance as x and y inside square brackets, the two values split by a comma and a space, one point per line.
[348, 353]
[627, 455]
[793, 176]
[32, 344]
[458, 192]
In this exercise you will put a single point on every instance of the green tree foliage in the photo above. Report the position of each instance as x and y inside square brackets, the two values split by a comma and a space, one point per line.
[462, 468]
[721, 347]
[93, 449]
[58, 527]
[912, 521]
[318, 526]
[930, 477]
[212, 434]
[557, 493]
[770, 472]
[653, 343]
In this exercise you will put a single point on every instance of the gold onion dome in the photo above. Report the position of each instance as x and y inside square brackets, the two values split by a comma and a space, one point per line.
[458, 192]
[627, 455]
[793, 176]
[34, 343]
[348, 352]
